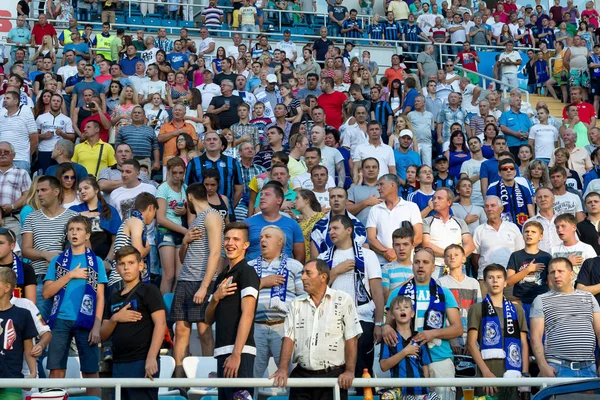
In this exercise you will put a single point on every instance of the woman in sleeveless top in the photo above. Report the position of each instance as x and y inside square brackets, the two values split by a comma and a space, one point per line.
[457, 153]
[211, 180]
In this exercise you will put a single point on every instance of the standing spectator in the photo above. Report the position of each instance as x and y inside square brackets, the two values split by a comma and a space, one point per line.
[135, 319]
[338, 14]
[14, 185]
[352, 28]
[225, 105]
[423, 123]
[450, 114]
[510, 60]
[41, 29]
[212, 16]
[391, 30]
[170, 131]
[587, 228]
[571, 247]
[515, 124]
[142, 138]
[560, 315]
[331, 158]
[469, 60]
[376, 149]
[319, 358]
[94, 154]
[362, 197]
[432, 318]
[52, 126]
[564, 201]
[471, 168]
[320, 47]
[546, 216]
[332, 102]
[280, 283]
[397, 272]
[232, 310]
[207, 44]
[587, 113]
[495, 240]
[576, 57]
[578, 159]
[426, 64]
[17, 126]
[200, 251]
[20, 35]
[123, 198]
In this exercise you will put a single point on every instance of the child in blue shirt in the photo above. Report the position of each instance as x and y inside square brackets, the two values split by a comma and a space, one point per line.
[408, 359]
[75, 279]
[541, 71]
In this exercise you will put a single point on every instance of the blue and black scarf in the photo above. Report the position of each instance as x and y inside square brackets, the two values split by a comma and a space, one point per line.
[515, 207]
[18, 269]
[87, 310]
[278, 293]
[145, 273]
[501, 343]
[436, 311]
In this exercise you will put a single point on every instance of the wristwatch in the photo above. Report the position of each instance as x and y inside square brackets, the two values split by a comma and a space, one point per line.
[379, 324]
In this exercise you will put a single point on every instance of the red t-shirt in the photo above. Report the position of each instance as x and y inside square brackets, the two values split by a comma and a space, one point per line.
[467, 59]
[510, 8]
[503, 16]
[332, 104]
[586, 111]
[40, 31]
[103, 131]
[392, 75]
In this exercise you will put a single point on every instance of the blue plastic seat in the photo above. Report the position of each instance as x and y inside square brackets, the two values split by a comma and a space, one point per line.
[170, 23]
[154, 23]
[134, 20]
[168, 299]
[171, 398]
[186, 24]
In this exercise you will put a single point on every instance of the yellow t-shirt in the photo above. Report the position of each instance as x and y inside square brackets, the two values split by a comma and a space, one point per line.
[248, 15]
[296, 167]
[87, 156]
[400, 9]
[558, 63]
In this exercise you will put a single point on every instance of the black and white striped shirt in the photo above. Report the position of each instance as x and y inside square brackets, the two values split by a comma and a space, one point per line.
[48, 234]
[568, 324]
[121, 240]
[196, 258]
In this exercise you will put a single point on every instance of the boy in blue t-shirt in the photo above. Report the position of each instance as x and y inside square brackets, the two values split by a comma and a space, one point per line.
[408, 359]
[75, 279]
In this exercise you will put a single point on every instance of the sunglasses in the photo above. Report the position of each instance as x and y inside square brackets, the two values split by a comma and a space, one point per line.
[507, 168]
[6, 231]
[68, 177]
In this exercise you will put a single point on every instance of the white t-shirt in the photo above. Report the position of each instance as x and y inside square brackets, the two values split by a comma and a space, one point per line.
[545, 136]
[580, 249]
[567, 203]
[353, 136]
[345, 282]
[205, 44]
[150, 87]
[50, 123]
[149, 56]
[471, 168]
[67, 71]
[208, 91]
[323, 198]
[289, 48]
[459, 35]
[467, 99]
[232, 51]
[496, 246]
[383, 153]
[303, 181]
[123, 199]
[329, 158]
[512, 56]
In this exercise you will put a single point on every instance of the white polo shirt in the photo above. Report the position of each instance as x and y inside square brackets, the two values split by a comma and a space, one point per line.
[512, 56]
[443, 234]
[50, 123]
[496, 246]
[383, 153]
[386, 221]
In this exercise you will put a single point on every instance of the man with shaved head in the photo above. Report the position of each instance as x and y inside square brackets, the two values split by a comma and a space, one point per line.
[280, 283]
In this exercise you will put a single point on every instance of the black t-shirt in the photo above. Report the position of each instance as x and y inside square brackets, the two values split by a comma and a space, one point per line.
[229, 309]
[229, 117]
[16, 326]
[530, 69]
[40, 79]
[588, 234]
[589, 274]
[223, 76]
[533, 284]
[131, 341]
[24, 7]
[29, 279]
[321, 47]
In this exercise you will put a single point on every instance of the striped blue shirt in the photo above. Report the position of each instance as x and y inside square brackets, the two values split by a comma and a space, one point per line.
[141, 139]
[294, 288]
[375, 31]
[382, 111]
[320, 232]
[391, 30]
[394, 275]
[411, 32]
[229, 170]
[353, 33]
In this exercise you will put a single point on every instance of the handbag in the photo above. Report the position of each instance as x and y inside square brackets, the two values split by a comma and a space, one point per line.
[465, 366]
[49, 394]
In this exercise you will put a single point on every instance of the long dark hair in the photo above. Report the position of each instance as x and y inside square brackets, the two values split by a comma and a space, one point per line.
[214, 121]
[464, 145]
[309, 196]
[189, 143]
[39, 105]
[65, 167]
[196, 98]
[107, 91]
[398, 91]
[106, 212]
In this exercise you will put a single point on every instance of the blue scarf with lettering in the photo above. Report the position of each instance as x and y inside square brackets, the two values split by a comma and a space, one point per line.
[501, 343]
[18, 269]
[436, 311]
[278, 293]
[362, 295]
[145, 273]
[87, 310]
[515, 207]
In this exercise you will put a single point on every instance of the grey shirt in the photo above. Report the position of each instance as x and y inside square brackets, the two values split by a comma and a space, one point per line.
[304, 92]
[359, 193]
[429, 65]
[196, 257]
[423, 124]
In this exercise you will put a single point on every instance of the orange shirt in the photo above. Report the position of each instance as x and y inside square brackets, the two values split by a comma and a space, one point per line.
[171, 144]
[392, 75]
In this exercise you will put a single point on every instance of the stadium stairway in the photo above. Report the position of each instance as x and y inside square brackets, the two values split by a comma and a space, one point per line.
[554, 106]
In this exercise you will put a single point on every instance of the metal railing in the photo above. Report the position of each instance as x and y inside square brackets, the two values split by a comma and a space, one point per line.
[485, 77]
[118, 383]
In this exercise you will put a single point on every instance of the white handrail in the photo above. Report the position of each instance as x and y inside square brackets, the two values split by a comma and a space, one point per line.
[118, 383]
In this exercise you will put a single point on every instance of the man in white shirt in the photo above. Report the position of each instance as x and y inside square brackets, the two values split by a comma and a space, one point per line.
[544, 199]
[374, 148]
[17, 126]
[52, 126]
[389, 215]
[565, 201]
[70, 68]
[510, 61]
[123, 198]
[139, 78]
[149, 55]
[573, 249]
[232, 51]
[208, 89]
[312, 158]
[331, 158]
[207, 44]
[288, 46]
[152, 85]
[470, 169]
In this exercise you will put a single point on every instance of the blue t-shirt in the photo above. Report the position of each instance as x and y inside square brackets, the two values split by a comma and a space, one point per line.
[443, 351]
[293, 234]
[409, 100]
[403, 160]
[80, 48]
[489, 170]
[516, 122]
[421, 199]
[69, 308]
[83, 85]
[80, 171]
[177, 60]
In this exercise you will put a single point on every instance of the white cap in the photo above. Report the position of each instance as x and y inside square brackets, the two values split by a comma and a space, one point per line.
[271, 78]
[405, 132]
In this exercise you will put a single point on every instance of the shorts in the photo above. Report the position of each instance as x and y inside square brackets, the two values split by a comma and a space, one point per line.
[579, 78]
[595, 87]
[561, 79]
[58, 349]
[183, 307]
[259, 12]
[165, 237]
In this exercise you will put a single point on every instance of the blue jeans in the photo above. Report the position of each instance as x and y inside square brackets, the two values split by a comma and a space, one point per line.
[135, 369]
[334, 29]
[563, 370]
[23, 165]
[45, 306]
[63, 333]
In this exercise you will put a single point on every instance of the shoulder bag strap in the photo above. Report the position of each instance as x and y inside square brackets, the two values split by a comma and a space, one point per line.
[99, 159]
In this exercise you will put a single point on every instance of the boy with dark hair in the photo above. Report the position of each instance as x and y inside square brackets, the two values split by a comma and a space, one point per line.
[528, 268]
[26, 281]
[497, 338]
[75, 279]
[442, 177]
[135, 319]
[571, 248]
[17, 331]
[395, 273]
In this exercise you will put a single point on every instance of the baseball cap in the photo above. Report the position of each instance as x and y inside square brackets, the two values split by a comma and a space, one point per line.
[405, 132]
[441, 157]
[271, 78]
[528, 6]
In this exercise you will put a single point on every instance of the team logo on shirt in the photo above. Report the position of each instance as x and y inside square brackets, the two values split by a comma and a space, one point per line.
[514, 355]
[491, 334]
[435, 320]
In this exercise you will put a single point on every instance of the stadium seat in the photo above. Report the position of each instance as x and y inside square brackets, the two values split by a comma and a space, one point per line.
[73, 372]
[167, 366]
[186, 24]
[168, 299]
[170, 23]
[271, 391]
[154, 23]
[277, 398]
[209, 398]
[200, 367]
[171, 398]
[134, 20]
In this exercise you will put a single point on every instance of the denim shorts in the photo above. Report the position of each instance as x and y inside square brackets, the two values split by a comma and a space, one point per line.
[135, 369]
[563, 370]
[58, 350]
[165, 237]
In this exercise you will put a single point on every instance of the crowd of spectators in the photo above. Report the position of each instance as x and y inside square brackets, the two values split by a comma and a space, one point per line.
[257, 183]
